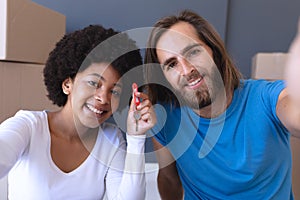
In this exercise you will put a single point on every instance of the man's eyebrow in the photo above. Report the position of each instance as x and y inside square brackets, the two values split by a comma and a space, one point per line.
[187, 48]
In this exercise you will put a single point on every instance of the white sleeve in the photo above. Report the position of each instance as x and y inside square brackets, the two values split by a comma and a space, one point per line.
[132, 185]
[14, 138]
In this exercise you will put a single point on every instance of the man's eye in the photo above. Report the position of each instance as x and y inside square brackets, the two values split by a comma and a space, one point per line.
[171, 65]
[194, 52]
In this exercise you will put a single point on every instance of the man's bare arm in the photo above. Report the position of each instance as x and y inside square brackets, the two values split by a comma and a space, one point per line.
[169, 184]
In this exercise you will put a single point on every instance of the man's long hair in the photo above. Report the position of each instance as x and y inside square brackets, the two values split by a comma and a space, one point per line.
[206, 32]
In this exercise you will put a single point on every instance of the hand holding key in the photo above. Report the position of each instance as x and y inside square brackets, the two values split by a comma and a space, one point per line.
[141, 115]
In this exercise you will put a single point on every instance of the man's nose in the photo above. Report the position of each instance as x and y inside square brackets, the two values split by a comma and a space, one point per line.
[185, 66]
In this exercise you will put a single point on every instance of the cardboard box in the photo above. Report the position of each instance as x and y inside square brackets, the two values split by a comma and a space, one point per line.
[271, 66]
[28, 31]
[295, 143]
[22, 87]
[268, 66]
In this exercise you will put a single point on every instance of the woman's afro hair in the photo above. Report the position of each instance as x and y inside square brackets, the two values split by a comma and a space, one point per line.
[77, 50]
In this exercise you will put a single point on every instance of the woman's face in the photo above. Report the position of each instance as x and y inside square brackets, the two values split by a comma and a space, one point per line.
[95, 94]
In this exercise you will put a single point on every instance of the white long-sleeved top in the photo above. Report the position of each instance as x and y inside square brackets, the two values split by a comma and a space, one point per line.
[25, 155]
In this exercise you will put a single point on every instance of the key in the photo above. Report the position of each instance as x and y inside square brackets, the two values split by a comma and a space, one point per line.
[136, 114]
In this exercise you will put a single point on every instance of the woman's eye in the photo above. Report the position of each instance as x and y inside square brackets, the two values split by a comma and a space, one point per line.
[116, 93]
[93, 83]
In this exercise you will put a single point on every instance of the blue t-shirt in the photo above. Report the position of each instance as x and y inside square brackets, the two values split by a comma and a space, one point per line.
[242, 154]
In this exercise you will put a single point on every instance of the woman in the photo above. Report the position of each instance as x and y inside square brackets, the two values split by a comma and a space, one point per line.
[73, 153]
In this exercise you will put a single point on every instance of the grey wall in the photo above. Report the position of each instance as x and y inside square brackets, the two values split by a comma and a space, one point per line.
[260, 26]
[247, 26]
[129, 14]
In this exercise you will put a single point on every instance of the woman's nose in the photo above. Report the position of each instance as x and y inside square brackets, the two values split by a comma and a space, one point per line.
[102, 96]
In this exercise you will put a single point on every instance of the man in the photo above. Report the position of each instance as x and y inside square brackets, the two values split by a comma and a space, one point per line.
[219, 136]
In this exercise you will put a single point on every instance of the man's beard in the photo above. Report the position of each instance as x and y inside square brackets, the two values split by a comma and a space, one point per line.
[205, 95]
[198, 99]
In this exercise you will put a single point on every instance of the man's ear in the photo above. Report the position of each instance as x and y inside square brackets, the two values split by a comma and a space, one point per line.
[67, 86]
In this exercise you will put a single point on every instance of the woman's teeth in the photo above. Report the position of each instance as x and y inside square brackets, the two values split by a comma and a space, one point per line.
[93, 109]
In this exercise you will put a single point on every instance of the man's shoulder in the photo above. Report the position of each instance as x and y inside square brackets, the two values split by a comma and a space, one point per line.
[259, 82]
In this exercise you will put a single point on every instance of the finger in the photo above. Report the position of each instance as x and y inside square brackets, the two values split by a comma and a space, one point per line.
[145, 103]
[149, 118]
[141, 95]
[144, 110]
[135, 101]
[134, 91]
[132, 103]
[146, 116]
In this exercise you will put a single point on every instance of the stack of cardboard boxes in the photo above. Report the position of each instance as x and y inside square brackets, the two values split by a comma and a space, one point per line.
[28, 32]
[271, 66]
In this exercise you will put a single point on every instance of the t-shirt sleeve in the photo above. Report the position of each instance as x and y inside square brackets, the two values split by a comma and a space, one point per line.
[270, 95]
[14, 138]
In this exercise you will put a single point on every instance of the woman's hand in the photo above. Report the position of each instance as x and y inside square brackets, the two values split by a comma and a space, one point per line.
[147, 117]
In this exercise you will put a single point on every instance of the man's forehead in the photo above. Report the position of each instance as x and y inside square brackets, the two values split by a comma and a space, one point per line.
[174, 43]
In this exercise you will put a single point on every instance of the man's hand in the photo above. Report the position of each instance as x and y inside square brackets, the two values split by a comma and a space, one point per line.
[293, 69]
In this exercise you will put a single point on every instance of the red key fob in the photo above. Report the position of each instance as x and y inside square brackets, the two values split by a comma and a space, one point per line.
[135, 89]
